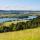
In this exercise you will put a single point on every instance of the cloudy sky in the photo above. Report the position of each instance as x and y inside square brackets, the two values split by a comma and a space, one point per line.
[19, 4]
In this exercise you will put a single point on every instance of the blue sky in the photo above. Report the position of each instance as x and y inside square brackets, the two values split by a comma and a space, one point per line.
[19, 4]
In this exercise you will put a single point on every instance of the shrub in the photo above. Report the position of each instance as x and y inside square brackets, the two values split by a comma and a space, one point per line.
[28, 24]
[1, 29]
[6, 29]
[12, 27]
[20, 26]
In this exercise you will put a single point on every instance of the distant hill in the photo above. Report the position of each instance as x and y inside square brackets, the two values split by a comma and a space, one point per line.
[18, 11]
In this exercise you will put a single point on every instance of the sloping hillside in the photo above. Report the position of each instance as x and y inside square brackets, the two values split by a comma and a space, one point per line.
[29, 34]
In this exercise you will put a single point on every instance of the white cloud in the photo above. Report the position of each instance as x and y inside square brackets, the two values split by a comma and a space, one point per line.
[17, 7]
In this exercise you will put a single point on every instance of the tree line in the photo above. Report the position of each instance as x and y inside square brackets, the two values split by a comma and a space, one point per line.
[34, 23]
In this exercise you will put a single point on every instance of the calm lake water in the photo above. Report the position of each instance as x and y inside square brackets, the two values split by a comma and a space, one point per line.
[7, 19]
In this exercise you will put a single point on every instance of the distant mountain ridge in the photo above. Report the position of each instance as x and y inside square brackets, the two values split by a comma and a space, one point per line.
[17, 11]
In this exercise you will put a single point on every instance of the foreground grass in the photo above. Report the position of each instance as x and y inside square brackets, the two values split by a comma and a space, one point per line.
[29, 34]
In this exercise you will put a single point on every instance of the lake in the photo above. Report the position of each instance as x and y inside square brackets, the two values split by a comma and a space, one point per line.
[8, 19]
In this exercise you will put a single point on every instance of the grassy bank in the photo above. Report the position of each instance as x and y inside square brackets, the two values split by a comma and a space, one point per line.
[9, 23]
[29, 34]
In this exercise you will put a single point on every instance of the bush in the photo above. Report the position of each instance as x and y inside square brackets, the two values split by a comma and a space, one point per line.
[20, 26]
[12, 27]
[6, 29]
[28, 24]
[1, 29]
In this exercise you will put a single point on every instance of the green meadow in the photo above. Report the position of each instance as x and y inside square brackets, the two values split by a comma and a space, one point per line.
[29, 34]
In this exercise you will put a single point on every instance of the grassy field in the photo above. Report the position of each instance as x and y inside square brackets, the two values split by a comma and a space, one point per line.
[29, 34]
[17, 15]
[9, 23]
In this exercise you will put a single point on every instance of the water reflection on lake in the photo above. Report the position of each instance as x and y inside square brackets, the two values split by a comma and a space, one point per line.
[7, 19]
